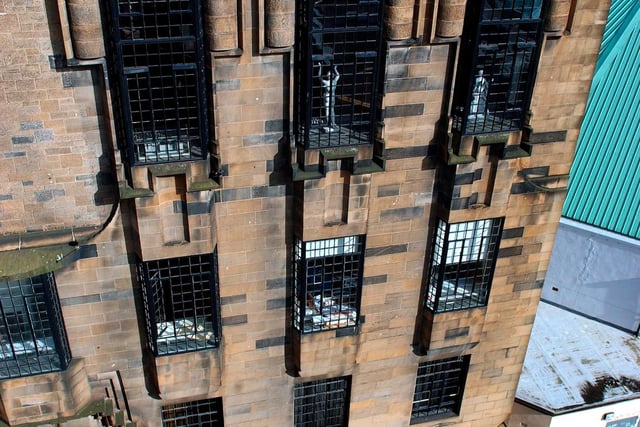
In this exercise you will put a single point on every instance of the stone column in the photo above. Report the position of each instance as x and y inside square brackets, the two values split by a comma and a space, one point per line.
[558, 15]
[221, 24]
[86, 28]
[398, 19]
[280, 23]
[450, 18]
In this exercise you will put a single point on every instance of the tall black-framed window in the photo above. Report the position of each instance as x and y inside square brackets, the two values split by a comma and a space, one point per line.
[32, 334]
[497, 67]
[180, 298]
[462, 263]
[160, 63]
[322, 403]
[439, 389]
[199, 413]
[328, 283]
[339, 61]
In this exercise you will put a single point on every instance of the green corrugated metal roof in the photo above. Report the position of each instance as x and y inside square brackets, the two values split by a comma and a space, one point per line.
[620, 12]
[604, 189]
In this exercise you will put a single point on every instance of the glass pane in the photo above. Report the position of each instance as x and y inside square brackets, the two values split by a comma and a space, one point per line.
[161, 59]
[31, 331]
[439, 388]
[200, 413]
[180, 295]
[340, 66]
[468, 250]
[496, 76]
[328, 277]
[323, 403]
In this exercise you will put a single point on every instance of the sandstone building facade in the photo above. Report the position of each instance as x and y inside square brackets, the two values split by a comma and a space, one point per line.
[330, 212]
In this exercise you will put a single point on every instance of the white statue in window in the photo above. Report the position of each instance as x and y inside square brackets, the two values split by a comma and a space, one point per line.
[329, 82]
[478, 106]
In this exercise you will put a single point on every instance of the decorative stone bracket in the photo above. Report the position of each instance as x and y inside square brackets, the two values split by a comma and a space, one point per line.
[538, 180]
[361, 160]
[199, 176]
[464, 149]
[548, 184]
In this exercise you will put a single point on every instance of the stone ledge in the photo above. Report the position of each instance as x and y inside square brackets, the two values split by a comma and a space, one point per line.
[207, 185]
[492, 138]
[127, 192]
[301, 175]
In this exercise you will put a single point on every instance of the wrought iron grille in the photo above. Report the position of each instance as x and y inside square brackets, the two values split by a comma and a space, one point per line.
[200, 413]
[439, 388]
[462, 264]
[323, 403]
[338, 62]
[328, 282]
[159, 54]
[181, 303]
[32, 333]
[500, 50]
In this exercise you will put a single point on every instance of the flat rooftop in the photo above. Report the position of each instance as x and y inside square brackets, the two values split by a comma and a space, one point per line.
[574, 362]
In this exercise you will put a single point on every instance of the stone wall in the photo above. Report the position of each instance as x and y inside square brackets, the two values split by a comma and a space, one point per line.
[57, 151]
[57, 162]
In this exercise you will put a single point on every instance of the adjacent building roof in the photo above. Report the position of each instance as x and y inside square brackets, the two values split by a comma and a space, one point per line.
[604, 189]
[574, 362]
[620, 13]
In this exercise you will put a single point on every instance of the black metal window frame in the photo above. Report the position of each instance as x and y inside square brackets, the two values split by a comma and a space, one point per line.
[463, 259]
[322, 403]
[32, 332]
[160, 64]
[181, 303]
[199, 413]
[499, 57]
[439, 389]
[328, 283]
[339, 63]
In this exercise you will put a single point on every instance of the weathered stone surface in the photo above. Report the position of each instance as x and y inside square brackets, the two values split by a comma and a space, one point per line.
[221, 24]
[58, 139]
[280, 23]
[450, 18]
[557, 15]
[86, 28]
[399, 19]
